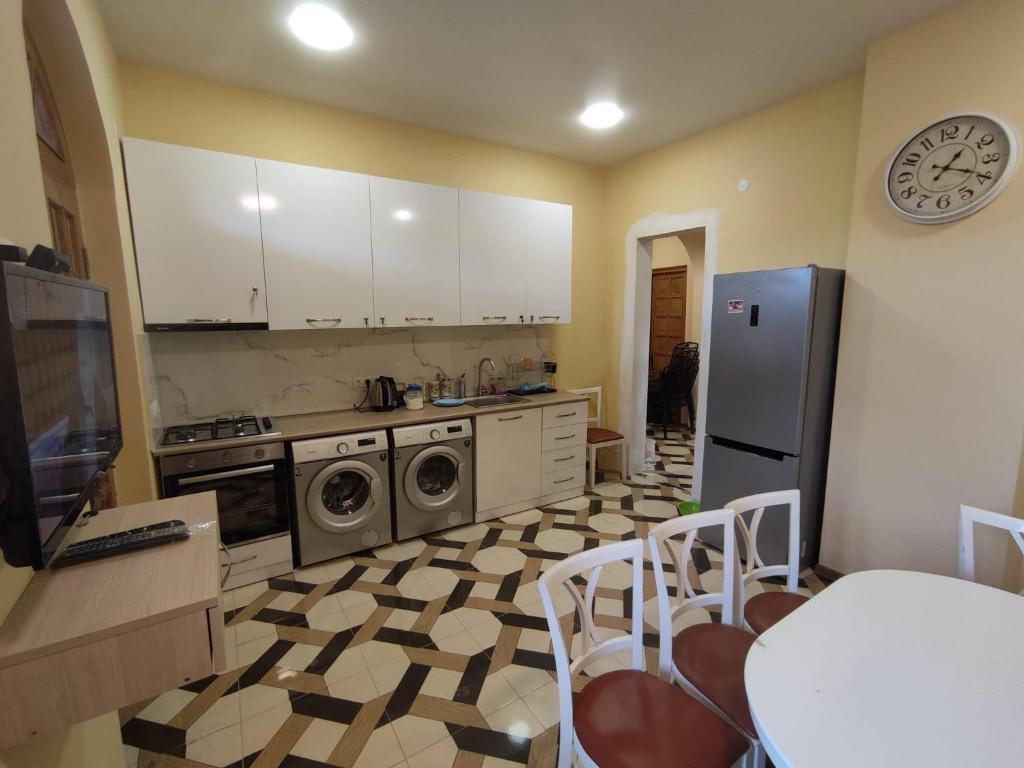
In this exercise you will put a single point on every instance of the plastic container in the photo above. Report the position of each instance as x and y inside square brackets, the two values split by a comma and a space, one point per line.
[414, 397]
[691, 507]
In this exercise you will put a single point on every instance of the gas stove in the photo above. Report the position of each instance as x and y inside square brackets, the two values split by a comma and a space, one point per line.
[220, 429]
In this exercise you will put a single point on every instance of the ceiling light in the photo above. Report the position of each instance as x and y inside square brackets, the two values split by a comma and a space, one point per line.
[402, 214]
[320, 27]
[603, 114]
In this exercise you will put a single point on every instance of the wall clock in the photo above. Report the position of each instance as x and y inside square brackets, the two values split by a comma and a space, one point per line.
[952, 168]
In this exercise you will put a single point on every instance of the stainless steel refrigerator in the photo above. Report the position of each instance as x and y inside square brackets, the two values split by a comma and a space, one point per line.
[771, 378]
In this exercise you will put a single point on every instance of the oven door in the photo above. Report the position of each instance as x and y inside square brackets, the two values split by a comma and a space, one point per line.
[252, 500]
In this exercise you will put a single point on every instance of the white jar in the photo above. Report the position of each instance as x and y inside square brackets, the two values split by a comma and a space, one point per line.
[414, 397]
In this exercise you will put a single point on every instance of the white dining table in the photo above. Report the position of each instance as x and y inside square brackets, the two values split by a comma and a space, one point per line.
[893, 669]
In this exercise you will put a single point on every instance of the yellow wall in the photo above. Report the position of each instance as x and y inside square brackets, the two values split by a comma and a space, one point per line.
[929, 410]
[185, 110]
[799, 158]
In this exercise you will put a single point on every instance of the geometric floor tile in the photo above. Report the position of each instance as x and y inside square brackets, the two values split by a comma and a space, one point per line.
[427, 653]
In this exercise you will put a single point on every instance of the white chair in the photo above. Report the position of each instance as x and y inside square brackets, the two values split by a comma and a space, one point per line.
[599, 437]
[762, 611]
[707, 659]
[971, 515]
[626, 716]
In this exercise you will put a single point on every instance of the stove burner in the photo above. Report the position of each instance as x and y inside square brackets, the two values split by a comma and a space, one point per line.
[220, 429]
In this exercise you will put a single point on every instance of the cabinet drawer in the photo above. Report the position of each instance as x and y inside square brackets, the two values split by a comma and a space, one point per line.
[560, 415]
[260, 554]
[562, 480]
[564, 437]
[564, 458]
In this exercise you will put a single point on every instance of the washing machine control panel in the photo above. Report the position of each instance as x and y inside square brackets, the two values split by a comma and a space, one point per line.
[439, 431]
[339, 445]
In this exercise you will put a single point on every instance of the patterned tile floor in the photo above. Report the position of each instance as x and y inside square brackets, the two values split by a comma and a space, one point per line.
[430, 652]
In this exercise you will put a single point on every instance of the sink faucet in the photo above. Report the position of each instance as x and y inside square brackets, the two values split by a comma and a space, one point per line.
[480, 390]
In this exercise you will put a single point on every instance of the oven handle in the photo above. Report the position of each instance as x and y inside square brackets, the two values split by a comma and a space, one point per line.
[225, 475]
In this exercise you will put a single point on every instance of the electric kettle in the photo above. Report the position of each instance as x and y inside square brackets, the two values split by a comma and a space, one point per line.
[383, 394]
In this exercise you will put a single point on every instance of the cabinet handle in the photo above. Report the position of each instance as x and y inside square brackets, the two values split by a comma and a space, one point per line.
[565, 480]
[565, 415]
[566, 437]
[382, 323]
[495, 317]
[522, 319]
[510, 418]
[323, 320]
[366, 322]
[419, 319]
[208, 320]
[564, 458]
[548, 317]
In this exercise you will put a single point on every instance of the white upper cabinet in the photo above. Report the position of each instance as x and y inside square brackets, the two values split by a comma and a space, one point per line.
[316, 246]
[415, 234]
[196, 223]
[549, 263]
[495, 234]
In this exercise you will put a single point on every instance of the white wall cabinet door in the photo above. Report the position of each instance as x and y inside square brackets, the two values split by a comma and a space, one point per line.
[549, 263]
[316, 246]
[415, 233]
[508, 458]
[196, 222]
[495, 234]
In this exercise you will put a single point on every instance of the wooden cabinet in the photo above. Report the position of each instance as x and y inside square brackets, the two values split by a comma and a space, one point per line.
[549, 264]
[508, 460]
[415, 233]
[316, 246]
[196, 223]
[494, 238]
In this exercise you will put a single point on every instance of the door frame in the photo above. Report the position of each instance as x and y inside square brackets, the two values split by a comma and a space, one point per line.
[681, 269]
[636, 322]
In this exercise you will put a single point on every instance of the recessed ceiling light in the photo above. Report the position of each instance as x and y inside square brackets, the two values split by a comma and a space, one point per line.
[320, 27]
[402, 214]
[602, 114]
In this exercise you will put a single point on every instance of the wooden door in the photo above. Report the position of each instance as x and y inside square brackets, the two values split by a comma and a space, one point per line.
[668, 315]
[58, 174]
[316, 246]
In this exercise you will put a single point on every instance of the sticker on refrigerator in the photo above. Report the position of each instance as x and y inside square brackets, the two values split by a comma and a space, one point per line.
[735, 306]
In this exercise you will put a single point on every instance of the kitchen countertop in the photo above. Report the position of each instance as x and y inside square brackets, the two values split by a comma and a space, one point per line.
[325, 423]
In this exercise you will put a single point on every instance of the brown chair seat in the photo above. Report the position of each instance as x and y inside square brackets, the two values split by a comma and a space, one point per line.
[601, 435]
[630, 719]
[711, 658]
[764, 610]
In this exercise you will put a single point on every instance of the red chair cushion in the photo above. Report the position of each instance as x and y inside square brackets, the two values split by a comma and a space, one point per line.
[601, 435]
[711, 658]
[630, 719]
[766, 609]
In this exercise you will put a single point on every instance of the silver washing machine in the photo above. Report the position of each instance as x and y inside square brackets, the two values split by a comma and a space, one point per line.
[433, 477]
[342, 495]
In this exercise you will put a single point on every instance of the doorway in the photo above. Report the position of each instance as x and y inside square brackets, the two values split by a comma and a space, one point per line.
[668, 315]
[698, 233]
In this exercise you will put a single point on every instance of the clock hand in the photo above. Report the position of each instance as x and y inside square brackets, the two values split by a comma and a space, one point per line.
[947, 166]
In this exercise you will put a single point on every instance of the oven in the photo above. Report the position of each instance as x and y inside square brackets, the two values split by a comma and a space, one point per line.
[251, 486]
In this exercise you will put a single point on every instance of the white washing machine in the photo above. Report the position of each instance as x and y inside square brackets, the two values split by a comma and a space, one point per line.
[433, 477]
[342, 495]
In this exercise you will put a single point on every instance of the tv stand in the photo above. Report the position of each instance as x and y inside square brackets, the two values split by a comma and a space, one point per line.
[88, 640]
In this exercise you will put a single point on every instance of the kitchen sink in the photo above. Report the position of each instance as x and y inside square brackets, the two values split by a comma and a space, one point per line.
[493, 401]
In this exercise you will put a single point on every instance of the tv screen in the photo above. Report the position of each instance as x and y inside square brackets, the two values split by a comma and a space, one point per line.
[61, 428]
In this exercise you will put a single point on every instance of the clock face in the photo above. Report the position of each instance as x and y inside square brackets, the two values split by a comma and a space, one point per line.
[952, 168]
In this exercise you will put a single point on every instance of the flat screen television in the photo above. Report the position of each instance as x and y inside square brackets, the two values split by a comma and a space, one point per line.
[61, 426]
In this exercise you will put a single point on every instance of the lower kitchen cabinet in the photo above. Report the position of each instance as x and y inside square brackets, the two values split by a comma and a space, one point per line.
[527, 458]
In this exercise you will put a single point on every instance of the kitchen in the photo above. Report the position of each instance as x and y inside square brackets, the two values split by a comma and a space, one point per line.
[340, 282]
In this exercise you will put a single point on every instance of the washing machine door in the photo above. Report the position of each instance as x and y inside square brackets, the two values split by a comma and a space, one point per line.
[345, 496]
[435, 477]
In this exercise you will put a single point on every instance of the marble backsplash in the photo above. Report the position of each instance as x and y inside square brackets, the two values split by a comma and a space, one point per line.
[201, 375]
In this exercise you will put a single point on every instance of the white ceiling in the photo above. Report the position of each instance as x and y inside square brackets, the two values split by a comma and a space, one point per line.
[518, 72]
